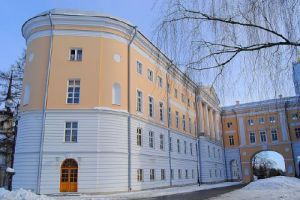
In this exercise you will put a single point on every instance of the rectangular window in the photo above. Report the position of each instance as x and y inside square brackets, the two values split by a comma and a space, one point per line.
[151, 107]
[182, 98]
[139, 100]
[263, 137]
[139, 136]
[190, 125]
[208, 150]
[210, 175]
[297, 132]
[170, 144]
[193, 175]
[191, 149]
[183, 122]
[184, 144]
[172, 174]
[139, 67]
[250, 122]
[176, 93]
[169, 116]
[179, 174]
[168, 88]
[76, 54]
[219, 154]
[252, 138]
[274, 135]
[186, 174]
[261, 120]
[229, 124]
[231, 140]
[177, 119]
[161, 141]
[140, 175]
[71, 131]
[189, 103]
[295, 116]
[178, 145]
[152, 174]
[150, 75]
[272, 119]
[160, 81]
[214, 150]
[151, 139]
[163, 174]
[216, 173]
[161, 111]
[73, 91]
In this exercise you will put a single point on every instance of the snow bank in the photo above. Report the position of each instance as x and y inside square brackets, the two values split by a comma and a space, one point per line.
[21, 194]
[280, 187]
[274, 183]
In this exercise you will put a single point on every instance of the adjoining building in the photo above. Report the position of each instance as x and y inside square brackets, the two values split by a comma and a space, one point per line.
[104, 110]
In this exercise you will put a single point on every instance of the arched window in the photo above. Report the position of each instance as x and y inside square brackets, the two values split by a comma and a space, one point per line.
[26, 97]
[116, 94]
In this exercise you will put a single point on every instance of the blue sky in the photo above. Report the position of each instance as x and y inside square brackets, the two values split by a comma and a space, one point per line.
[142, 13]
[15, 12]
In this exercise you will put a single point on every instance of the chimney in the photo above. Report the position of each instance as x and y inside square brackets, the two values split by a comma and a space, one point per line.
[237, 103]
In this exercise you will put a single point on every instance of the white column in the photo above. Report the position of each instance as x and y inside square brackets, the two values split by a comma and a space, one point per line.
[207, 120]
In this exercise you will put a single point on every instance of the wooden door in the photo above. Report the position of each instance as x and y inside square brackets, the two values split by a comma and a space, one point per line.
[69, 176]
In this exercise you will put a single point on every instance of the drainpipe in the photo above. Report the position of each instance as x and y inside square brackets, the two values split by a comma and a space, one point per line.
[168, 118]
[45, 107]
[129, 117]
[199, 172]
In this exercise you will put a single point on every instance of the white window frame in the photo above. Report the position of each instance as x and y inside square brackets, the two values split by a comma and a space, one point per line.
[184, 146]
[252, 135]
[170, 144]
[73, 130]
[151, 105]
[272, 119]
[152, 175]
[73, 92]
[175, 93]
[186, 174]
[139, 136]
[179, 174]
[295, 116]
[261, 120]
[231, 140]
[151, 139]
[116, 94]
[191, 149]
[183, 123]
[161, 142]
[150, 75]
[170, 116]
[160, 81]
[190, 125]
[76, 55]
[250, 122]
[274, 132]
[140, 175]
[161, 111]
[162, 174]
[177, 119]
[229, 124]
[139, 108]
[178, 146]
[139, 67]
[263, 133]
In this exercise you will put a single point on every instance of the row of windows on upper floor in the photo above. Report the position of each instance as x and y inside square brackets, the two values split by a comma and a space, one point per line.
[261, 120]
[252, 137]
[73, 97]
[152, 174]
[151, 142]
[76, 55]
[150, 76]
[220, 157]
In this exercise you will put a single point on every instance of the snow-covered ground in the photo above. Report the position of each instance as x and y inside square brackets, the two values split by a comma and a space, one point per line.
[26, 195]
[280, 187]
[276, 188]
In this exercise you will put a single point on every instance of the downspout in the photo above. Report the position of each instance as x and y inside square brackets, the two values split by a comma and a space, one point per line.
[238, 134]
[199, 172]
[225, 160]
[45, 106]
[129, 117]
[168, 118]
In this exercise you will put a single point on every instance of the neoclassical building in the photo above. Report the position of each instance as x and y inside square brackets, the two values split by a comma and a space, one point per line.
[104, 110]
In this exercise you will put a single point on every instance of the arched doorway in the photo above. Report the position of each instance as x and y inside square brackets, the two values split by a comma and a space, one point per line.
[69, 176]
[268, 163]
[235, 170]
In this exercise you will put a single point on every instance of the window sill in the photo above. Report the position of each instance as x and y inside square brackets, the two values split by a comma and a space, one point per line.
[116, 104]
